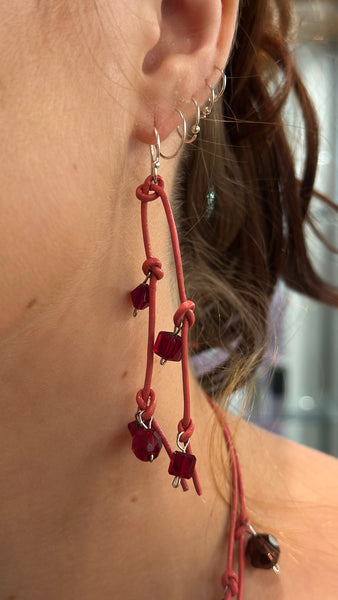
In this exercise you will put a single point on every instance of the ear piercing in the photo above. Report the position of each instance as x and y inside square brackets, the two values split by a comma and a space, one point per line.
[200, 113]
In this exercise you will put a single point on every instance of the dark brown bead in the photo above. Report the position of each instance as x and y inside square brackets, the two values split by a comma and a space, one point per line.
[263, 551]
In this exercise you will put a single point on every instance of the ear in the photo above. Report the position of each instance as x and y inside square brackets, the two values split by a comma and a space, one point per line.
[194, 36]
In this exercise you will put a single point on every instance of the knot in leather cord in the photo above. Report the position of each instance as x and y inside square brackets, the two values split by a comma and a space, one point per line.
[148, 405]
[241, 528]
[186, 431]
[154, 265]
[185, 311]
[230, 579]
[148, 191]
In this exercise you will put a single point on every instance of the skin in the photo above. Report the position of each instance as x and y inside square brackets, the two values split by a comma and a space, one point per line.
[80, 517]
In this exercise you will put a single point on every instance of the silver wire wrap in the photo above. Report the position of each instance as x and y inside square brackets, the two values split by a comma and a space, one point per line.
[155, 153]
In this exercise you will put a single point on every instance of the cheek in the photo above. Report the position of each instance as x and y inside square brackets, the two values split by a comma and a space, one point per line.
[55, 178]
[41, 224]
[47, 235]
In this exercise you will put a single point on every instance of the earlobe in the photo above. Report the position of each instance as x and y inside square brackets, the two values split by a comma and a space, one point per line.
[194, 36]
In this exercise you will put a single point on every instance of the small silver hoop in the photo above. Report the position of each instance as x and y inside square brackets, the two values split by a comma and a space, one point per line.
[183, 138]
[195, 128]
[251, 529]
[138, 418]
[207, 109]
[224, 83]
[155, 153]
[176, 482]
[178, 329]
[180, 445]
[225, 591]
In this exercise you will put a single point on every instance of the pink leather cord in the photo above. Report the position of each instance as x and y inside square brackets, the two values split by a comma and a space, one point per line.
[184, 317]
[232, 582]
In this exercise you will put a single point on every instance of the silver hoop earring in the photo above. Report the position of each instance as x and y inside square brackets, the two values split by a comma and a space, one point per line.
[195, 128]
[182, 136]
[224, 83]
[207, 109]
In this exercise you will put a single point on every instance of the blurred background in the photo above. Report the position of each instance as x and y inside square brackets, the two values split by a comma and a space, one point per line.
[299, 400]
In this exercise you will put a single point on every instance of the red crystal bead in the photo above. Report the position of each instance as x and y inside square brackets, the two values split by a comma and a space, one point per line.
[182, 465]
[263, 551]
[140, 296]
[146, 443]
[168, 346]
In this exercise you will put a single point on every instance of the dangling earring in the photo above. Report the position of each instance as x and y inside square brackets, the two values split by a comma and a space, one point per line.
[169, 346]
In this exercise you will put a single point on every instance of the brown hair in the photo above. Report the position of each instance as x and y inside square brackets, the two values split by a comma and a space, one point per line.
[241, 207]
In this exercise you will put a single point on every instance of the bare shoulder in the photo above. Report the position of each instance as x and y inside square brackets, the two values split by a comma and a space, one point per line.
[304, 470]
[292, 492]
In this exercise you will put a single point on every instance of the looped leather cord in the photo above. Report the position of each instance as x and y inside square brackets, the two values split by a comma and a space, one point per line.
[147, 192]
[185, 311]
[186, 431]
[142, 192]
[184, 317]
[148, 407]
[154, 265]
[230, 580]
[241, 528]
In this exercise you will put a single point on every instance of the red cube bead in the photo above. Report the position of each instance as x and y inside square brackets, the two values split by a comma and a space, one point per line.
[263, 551]
[182, 465]
[146, 443]
[140, 296]
[168, 346]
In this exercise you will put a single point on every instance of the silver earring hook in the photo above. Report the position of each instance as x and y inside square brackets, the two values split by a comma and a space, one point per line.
[182, 136]
[155, 153]
[195, 128]
[207, 109]
[223, 86]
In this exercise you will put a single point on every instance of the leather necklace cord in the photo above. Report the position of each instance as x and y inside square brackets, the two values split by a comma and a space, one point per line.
[232, 582]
